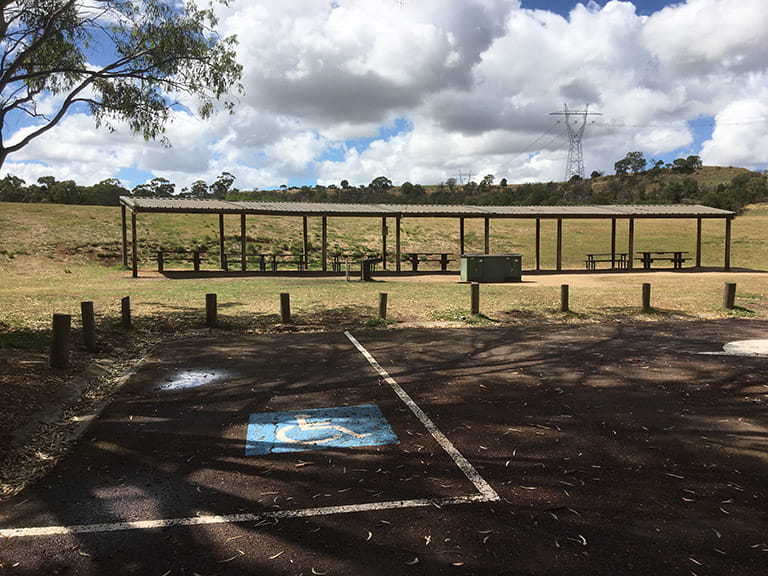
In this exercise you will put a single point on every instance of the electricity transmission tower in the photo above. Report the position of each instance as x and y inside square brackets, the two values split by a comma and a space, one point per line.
[462, 175]
[575, 165]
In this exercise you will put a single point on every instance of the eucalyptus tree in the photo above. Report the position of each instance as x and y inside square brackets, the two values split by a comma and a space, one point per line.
[121, 61]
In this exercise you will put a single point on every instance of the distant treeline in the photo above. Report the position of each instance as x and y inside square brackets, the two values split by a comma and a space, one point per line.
[659, 185]
[48, 189]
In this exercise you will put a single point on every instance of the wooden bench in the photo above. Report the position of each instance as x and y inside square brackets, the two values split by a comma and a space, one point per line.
[618, 260]
[415, 258]
[269, 262]
[195, 256]
[339, 259]
[675, 257]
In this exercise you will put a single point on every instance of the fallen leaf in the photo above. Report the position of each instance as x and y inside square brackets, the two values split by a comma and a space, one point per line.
[228, 559]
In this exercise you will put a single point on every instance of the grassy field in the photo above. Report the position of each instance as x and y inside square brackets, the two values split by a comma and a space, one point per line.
[53, 257]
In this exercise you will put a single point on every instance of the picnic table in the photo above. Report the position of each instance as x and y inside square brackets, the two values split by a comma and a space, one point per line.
[415, 257]
[617, 260]
[338, 260]
[268, 262]
[675, 257]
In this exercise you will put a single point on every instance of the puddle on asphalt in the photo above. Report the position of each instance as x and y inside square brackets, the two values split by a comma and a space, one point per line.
[184, 379]
[747, 348]
[742, 348]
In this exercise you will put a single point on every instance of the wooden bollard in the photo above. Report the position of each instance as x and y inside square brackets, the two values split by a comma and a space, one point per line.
[285, 307]
[62, 324]
[475, 298]
[196, 260]
[646, 297]
[729, 295]
[564, 298]
[89, 326]
[125, 311]
[211, 312]
[383, 305]
[160, 262]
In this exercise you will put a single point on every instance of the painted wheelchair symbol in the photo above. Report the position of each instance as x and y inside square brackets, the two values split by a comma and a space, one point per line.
[305, 426]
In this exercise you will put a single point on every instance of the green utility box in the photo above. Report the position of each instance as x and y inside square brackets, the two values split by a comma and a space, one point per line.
[491, 267]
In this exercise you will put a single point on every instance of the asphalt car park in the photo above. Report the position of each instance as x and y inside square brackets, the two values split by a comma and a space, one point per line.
[601, 449]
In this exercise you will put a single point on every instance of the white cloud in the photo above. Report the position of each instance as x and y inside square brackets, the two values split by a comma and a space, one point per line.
[475, 79]
[705, 37]
[740, 137]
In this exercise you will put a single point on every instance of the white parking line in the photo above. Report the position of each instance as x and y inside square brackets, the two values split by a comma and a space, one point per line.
[235, 518]
[486, 493]
[469, 471]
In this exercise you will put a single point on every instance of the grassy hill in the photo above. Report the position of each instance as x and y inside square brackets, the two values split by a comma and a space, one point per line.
[707, 177]
[52, 257]
[720, 187]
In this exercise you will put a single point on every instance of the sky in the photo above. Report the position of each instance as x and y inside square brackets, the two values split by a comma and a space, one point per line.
[426, 90]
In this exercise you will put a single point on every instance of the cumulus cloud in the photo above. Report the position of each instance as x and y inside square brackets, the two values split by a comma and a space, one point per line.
[735, 141]
[474, 80]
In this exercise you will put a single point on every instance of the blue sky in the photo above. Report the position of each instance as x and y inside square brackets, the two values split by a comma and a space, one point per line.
[424, 90]
[563, 7]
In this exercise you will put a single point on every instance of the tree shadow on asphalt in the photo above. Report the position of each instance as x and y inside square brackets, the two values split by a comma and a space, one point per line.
[615, 448]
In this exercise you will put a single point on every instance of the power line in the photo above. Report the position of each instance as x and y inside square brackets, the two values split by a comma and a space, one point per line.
[529, 148]
[692, 123]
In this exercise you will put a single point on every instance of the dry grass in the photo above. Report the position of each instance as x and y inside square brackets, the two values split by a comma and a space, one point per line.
[54, 257]
[49, 262]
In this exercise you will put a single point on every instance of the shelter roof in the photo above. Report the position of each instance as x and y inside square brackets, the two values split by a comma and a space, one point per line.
[191, 206]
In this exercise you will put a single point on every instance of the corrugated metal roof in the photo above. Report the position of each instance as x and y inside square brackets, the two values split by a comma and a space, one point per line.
[177, 205]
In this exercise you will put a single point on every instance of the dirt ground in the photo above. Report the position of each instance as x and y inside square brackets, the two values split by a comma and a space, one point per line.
[617, 448]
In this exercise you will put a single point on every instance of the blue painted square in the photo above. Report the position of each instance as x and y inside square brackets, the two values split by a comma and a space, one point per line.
[317, 429]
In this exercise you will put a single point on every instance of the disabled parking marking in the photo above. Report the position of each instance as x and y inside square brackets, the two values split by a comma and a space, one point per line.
[317, 429]
[485, 493]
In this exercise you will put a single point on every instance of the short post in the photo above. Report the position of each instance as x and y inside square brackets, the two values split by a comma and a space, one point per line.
[125, 311]
[60, 343]
[196, 260]
[89, 326]
[646, 297]
[564, 298]
[729, 295]
[211, 312]
[160, 263]
[285, 307]
[475, 287]
[383, 305]
[348, 269]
